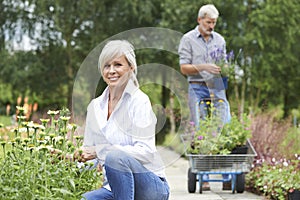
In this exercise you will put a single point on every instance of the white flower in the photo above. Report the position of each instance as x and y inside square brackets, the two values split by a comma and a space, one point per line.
[64, 118]
[47, 138]
[51, 112]
[58, 138]
[30, 124]
[265, 187]
[70, 127]
[24, 130]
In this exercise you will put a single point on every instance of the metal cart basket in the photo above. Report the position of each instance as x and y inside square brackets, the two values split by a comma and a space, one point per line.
[235, 165]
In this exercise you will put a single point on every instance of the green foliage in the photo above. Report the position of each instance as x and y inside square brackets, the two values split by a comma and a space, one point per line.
[5, 120]
[290, 142]
[68, 30]
[275, 180]
[36, 161]
[215, 138]
[237, 131]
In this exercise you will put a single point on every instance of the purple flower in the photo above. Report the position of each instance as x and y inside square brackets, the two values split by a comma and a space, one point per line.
[193, 133]
[230, 55]
[200, 137]
[217, 55]
[214, 134]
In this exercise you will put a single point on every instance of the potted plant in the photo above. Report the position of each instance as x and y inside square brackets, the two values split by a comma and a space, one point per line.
[213, 138]
[236, 133]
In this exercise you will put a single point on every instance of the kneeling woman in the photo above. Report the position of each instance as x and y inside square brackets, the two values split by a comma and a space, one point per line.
[120, 132]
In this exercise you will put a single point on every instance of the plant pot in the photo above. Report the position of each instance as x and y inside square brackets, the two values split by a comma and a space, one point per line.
[295, 195]
[240, 150]
[220, 83]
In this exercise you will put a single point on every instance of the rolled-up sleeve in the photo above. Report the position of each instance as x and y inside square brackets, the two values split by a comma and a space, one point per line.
[185, 51]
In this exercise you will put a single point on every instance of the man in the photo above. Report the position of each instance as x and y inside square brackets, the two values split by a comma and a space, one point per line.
[196, 61]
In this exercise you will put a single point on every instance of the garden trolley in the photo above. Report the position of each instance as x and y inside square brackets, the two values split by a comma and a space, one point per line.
[236, 165]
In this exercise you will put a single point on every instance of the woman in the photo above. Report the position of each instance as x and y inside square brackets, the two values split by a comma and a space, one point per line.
[120, 132]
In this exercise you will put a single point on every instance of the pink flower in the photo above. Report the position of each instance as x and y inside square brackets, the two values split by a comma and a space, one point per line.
[192, 123]
[200, 137]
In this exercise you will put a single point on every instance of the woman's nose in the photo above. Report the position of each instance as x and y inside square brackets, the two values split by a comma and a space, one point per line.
[112, 69]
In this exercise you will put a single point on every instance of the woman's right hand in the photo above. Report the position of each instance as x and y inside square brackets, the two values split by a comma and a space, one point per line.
[84, 154]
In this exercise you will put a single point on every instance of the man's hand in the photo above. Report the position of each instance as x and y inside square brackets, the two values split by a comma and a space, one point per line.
[212, 68]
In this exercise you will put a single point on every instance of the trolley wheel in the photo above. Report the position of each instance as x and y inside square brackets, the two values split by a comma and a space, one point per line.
[191, 181]
[240, 183]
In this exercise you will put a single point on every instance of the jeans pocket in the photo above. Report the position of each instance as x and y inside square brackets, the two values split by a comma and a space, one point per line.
[165, 193]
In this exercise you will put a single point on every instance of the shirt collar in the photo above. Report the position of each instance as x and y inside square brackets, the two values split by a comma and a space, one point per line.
[129, 89]
[198, 34]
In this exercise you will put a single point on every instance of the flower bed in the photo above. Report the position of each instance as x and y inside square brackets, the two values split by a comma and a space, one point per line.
[277, 179]
[35, 162]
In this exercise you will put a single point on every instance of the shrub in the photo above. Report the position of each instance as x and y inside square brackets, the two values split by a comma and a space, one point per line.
[276, 171]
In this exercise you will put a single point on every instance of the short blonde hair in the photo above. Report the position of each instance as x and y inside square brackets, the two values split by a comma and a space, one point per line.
[208, 10]
[118, 48]
[114, 49]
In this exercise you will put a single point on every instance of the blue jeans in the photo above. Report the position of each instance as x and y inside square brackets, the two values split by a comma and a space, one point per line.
[198, 95]
[129, 180]
[198, 110]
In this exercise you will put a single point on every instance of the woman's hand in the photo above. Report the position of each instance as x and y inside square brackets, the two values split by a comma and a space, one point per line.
[84, 154]
[59, 154]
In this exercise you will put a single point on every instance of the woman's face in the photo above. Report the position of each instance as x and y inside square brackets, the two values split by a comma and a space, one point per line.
[117, 71]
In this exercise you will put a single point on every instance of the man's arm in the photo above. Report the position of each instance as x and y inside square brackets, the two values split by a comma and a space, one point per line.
[190, 69]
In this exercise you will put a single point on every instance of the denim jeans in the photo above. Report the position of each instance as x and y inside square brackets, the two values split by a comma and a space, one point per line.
[198, 110]
[129, 180]
[198, 95]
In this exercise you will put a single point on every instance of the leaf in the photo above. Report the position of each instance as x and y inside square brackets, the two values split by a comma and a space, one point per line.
[72, 183]
[44, 187]
[63, 191]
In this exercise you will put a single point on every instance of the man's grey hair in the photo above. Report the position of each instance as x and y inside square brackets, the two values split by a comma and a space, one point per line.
[208, 10]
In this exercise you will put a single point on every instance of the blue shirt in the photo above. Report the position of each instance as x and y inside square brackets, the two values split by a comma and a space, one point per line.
[194, 49]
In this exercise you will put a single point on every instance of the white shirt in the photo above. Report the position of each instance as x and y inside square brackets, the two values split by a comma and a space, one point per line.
[130, 128]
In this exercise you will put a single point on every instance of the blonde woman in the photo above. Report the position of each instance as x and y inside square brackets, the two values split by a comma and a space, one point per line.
[120, 132]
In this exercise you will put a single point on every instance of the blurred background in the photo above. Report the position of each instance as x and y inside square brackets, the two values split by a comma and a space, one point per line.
[44, 42]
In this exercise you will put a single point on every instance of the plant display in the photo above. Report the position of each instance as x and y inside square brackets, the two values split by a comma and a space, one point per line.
[36, 161]
[214, 137]
[275, 180]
